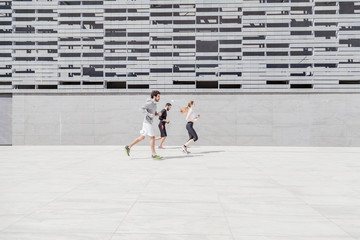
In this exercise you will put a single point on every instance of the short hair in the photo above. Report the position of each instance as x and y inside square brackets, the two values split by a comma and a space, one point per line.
[154, 93]
[168, 104]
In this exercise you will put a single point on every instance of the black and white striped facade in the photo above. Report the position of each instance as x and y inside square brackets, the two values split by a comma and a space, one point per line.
[179, 46]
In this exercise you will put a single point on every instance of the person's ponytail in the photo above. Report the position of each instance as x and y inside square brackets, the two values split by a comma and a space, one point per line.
[186, 109]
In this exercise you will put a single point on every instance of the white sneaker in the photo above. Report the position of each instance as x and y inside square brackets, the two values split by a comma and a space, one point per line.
[184, 148]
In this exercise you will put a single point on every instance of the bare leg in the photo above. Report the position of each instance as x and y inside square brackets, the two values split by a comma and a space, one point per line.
[158, 138]
[191, 141]
[162, 141]
[139, 139]
[152, 145]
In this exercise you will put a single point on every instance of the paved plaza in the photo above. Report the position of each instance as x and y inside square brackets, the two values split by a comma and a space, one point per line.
[215, 193]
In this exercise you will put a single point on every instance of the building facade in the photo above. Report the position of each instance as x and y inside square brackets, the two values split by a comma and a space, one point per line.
[179, 46]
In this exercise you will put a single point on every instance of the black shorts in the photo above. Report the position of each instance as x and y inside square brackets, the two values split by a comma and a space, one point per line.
[162, 129]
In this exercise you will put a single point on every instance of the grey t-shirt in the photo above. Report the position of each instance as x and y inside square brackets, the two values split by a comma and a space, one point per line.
[149, 108]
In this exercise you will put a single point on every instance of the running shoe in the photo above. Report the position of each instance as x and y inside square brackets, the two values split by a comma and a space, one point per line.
[184, 148]
[127, 150]
[161, 147]
[156, 156]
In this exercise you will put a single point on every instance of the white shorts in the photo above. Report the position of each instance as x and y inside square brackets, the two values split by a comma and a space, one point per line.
[147, 129]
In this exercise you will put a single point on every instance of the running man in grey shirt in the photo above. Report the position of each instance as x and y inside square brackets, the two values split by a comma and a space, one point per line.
[149, 110]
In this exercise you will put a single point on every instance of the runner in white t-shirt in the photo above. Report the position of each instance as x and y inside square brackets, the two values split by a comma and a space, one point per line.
[191, 117]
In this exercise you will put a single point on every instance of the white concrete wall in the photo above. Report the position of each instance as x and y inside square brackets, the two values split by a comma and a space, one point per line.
[5, 119]
[248, 119]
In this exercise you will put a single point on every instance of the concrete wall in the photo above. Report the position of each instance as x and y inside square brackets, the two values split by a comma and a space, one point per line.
[251, 119]
[5, 119]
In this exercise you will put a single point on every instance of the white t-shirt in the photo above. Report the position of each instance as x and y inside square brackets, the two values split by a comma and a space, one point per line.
[192, 115]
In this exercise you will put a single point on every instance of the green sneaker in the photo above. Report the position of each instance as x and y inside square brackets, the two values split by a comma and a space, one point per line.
[127, 149]
[156, 156]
